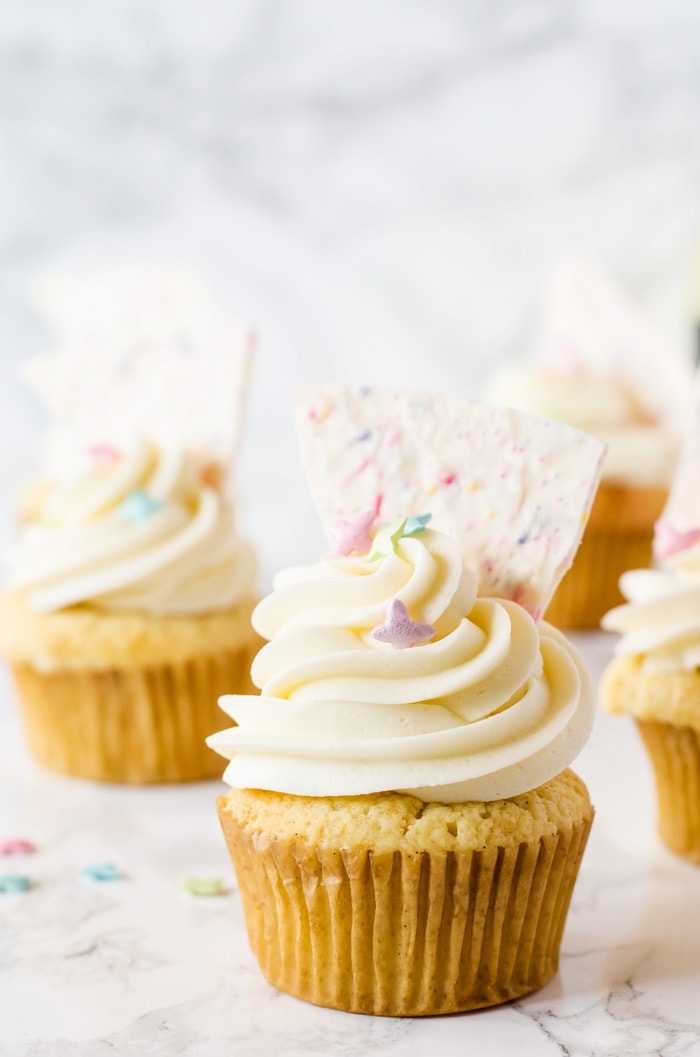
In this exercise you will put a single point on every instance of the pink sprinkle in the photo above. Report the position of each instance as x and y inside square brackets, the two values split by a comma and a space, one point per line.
[448, 478]
[104, 453]
[352, 537]
[16, 846]
[668, 540]
[378, 500]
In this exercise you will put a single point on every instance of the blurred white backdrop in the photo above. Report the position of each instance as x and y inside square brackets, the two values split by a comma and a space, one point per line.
[380, 186]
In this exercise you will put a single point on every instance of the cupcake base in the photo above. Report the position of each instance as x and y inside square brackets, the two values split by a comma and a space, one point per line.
[138, 725]
[618, 537]
[675, 755]
[128, 696]
[407, 932]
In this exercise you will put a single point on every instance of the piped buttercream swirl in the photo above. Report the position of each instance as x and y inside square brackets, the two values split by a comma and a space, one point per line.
[492, 706]
[144, 529]
[660, 621]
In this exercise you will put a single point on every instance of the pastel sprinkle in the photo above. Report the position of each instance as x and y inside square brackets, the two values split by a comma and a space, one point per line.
[138, 506]
[415, 524]
[668, 540]
[99, 872]
[399, 630]
[203, 886]
[352, 537]
[386, 538]
[13, 882]
[448, 478]
[104, 453]
[16, 846]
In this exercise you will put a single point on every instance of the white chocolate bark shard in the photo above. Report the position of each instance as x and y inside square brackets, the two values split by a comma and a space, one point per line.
[141, 351]
[513, 490]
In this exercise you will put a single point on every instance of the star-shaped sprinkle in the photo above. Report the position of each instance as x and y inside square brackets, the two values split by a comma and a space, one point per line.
[668, 540]
[203, 886]
[415, 524]
[399, 630]
[352, 537]
[138, 505]
[386, 538]
[12, 882]
[99, 872]
[16, 846]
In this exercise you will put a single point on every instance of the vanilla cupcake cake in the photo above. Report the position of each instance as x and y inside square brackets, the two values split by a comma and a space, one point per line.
[655, 675]
[127, 612]
[402, 821]
[129, 591]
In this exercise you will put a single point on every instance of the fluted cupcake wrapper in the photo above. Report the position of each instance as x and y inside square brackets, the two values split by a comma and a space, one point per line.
[590, 588]
[139, 725]
[618, 537]
[406, 934]
[675, 755]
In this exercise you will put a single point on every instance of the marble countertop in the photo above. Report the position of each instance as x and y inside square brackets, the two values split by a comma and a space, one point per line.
[138, 966]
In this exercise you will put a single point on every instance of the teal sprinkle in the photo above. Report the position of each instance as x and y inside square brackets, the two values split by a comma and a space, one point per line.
[14, 882]
[99, 872]
[138, 505]
[416, 524]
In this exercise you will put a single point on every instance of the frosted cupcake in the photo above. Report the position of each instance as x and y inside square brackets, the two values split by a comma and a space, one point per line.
[402, 821]
[596, 367]
[655, 675]
[127, 613]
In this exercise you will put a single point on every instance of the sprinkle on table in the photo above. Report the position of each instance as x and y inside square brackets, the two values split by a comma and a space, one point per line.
[202, 886]
[96, 873]
[11, 883]
[16, 846]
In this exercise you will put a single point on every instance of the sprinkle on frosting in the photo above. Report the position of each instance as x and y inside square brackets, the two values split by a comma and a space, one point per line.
[416, 524]
[138, 506]
[352, 537]
[669, 540]
[104, 453]
[399, 630]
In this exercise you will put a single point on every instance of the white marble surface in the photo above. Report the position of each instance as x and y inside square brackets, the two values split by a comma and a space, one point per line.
[381, 186]
[136, 966]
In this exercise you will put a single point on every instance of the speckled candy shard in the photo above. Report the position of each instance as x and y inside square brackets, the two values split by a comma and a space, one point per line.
[513, 490]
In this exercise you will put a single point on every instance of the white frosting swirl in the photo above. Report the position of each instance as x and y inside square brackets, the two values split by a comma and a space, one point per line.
[641, 449]
[136, 530]
[490, 708]
[660, 622]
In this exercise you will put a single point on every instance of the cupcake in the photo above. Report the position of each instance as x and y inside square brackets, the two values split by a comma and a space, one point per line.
[655, 675]
[127, 612]
[129, 591]
[596, 367]
[402, 821]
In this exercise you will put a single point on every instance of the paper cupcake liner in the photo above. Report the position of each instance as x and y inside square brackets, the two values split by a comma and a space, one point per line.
[141, 725]
[402, 934]
[675, 755]
[590, 588]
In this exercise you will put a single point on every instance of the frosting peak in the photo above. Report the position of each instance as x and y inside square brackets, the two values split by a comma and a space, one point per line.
[141, 529]
[488, 705]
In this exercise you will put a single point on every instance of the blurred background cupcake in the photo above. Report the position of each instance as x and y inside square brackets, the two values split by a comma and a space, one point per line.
[655, 675]
[130, 587]
[600, 365]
